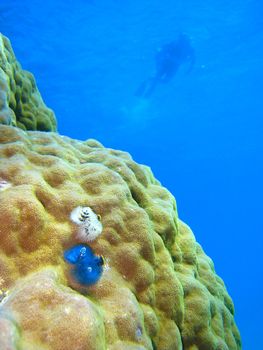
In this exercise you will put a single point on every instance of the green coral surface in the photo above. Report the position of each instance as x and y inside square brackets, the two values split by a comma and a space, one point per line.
[20, 101]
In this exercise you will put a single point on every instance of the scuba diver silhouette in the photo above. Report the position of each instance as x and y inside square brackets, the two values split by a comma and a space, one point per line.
[168, 60]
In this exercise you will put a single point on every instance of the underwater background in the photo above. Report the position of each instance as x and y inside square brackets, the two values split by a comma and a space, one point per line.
[201, 133]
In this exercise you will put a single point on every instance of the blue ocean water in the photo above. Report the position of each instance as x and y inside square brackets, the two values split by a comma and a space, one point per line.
[201, 133]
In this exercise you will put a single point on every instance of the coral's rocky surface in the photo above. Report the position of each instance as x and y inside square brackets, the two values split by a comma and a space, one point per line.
[20, 101]
[158, 289]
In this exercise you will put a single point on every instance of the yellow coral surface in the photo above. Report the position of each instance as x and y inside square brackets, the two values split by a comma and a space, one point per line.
[20, 101]
[158, 289]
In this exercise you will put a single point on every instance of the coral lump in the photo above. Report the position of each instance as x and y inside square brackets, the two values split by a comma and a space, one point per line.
[161, 290]
[21, 104]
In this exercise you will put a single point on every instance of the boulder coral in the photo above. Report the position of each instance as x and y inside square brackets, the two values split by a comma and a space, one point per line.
[158, 289]
[21, 104]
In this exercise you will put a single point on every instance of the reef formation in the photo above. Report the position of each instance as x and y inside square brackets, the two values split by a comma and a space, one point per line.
[20, 101]
[158, 289]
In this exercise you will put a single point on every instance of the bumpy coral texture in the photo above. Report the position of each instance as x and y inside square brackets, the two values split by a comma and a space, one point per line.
[158, 290]
[20, 101]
